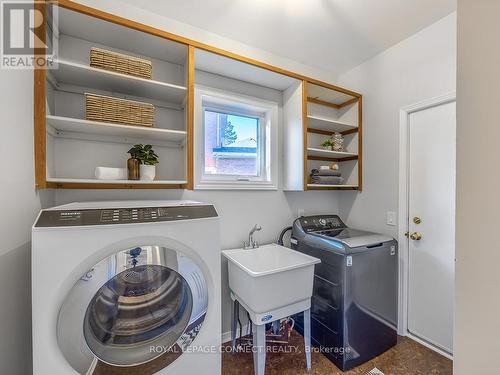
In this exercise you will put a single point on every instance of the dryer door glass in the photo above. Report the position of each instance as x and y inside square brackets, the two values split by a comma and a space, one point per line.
[139, 308]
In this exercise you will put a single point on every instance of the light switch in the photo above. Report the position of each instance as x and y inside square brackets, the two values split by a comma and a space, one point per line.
[301, 212]
[391, 218]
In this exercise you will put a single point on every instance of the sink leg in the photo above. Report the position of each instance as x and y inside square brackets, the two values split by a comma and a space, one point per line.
[259, 351]
[234, 325]
[307, 337]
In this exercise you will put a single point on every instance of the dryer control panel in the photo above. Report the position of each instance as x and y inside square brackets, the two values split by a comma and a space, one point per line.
[65, 218]
[321, 222]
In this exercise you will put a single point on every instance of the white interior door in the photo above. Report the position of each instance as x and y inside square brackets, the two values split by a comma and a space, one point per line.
[432, 200]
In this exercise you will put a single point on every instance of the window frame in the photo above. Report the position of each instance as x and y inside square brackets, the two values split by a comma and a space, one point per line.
[240, 105]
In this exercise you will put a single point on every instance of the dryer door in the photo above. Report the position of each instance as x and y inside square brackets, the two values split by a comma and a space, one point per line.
[139, 308]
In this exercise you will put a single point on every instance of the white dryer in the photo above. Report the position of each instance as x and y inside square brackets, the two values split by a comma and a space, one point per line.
[126, 288]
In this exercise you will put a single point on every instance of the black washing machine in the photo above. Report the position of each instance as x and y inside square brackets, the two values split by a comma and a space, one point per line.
[355, 298]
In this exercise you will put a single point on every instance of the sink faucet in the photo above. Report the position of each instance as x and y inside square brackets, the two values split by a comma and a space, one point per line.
[252, 244]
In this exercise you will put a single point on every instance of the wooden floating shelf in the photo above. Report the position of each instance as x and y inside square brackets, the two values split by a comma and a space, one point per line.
[327, 154]
[329, 125]
[82, 75]
[129, 182]
[91, 183]
[331, 187]
[67, 124]
[331, 98]
[330, 132]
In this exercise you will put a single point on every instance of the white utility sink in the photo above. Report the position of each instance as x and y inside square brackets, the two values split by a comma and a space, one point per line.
[271, 281]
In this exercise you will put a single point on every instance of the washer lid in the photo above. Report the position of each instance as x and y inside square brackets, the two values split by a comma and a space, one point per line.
[356, 238]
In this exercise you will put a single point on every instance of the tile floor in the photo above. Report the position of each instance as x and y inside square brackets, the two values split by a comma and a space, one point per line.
[407, 358]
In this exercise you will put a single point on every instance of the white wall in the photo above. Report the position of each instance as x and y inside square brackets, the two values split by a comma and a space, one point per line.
[420, 67]
[477, 308]
[20, 204]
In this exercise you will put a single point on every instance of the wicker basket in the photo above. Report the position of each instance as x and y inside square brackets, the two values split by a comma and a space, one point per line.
[121, 111]
[117, 62]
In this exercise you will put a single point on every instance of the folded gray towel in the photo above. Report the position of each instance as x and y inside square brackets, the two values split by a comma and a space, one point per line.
[327, 180]
[325, 172]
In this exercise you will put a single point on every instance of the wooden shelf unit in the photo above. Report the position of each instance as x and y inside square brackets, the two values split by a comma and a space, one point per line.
[170, 93]
[69, 147]
[327, 111]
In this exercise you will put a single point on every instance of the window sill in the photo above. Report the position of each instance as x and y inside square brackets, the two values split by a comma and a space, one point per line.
[216, 185]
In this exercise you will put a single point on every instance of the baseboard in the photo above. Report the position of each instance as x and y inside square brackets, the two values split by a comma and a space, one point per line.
[226, 336]
[430, 346]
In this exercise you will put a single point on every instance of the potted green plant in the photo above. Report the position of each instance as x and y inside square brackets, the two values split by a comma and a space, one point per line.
[328, 144]
[147, 159]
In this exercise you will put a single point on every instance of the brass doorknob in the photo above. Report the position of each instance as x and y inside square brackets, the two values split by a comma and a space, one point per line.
[416, 236]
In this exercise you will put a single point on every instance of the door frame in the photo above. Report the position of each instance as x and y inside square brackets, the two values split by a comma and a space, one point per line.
[403, 214]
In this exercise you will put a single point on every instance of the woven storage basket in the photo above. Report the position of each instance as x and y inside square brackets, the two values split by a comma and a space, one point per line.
[121, 111]
[117, 62]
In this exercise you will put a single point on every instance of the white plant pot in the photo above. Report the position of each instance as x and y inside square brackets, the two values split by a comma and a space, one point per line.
[147, 172]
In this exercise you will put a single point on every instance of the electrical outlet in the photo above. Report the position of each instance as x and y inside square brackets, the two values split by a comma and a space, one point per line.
[391, 218]
[301, 212]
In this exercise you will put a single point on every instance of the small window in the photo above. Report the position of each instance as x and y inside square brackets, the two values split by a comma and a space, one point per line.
[231, 144]
[237, 136]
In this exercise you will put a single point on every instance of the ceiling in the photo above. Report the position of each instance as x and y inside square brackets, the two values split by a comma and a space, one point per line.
[335, 35]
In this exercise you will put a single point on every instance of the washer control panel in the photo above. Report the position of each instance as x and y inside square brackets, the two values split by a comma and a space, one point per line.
[64, 218]
[321, 222]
